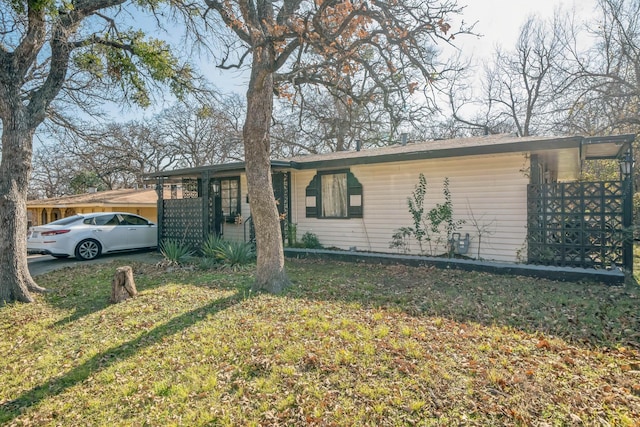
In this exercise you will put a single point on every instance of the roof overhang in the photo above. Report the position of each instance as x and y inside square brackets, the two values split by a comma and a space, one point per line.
[107, 198]
[213, 170]
[568, 151]
[606, 147]
[440, 153]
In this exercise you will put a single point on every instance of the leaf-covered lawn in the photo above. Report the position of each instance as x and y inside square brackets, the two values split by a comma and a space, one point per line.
[348, 344]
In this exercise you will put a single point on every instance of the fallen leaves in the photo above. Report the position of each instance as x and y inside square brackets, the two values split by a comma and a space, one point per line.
[346, 346]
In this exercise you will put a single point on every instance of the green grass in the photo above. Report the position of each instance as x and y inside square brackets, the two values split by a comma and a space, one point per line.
[347, 344]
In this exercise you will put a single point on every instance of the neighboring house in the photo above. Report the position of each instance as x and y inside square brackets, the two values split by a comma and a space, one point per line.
[142, 202]
[518, 199]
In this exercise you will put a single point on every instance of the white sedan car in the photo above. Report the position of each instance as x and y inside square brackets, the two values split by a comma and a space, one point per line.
[86, 236]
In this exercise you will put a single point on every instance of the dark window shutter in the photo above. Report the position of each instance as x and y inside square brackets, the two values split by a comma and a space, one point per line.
[354, 189]
[312, 193]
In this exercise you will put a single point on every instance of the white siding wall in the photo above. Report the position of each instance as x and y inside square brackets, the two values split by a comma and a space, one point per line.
[492, 188]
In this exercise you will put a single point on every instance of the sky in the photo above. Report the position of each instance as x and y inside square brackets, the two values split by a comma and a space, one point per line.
[498, 22]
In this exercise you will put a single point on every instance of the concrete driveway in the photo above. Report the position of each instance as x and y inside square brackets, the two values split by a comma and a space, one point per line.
[41, 264]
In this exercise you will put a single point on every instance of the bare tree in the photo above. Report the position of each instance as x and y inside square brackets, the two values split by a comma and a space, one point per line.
[323, 119]
[519, 88]
[470, 114]
[324, 122]
[119, 154]
[602, 61]
[53, 170]
[606, 90]
[201, 135]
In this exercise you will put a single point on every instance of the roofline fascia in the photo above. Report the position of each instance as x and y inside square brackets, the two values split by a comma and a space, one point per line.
[627, 138]
[227, 167]
[512, 147]
[91, 205]
[197, 170]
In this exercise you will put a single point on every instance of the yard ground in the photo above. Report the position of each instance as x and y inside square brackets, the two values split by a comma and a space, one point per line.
[348, 344]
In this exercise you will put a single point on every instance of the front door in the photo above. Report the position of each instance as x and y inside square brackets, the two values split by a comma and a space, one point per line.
[281, 187]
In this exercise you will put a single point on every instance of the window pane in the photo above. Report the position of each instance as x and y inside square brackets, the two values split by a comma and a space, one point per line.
[334, 195]
[229, 194]
[66, 221]
[107, 220]
[225, 207]
[133, 220]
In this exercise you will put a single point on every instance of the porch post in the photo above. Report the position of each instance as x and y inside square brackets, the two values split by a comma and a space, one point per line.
[626, 174]
[206, 186]
[160, 208]
[627, 221]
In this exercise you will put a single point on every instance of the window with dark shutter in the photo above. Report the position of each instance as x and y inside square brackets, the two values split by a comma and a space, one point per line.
[334, 194]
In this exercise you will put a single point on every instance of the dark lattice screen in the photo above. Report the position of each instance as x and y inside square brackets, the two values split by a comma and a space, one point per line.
[182, 221]
[575, 224]
[190, 188]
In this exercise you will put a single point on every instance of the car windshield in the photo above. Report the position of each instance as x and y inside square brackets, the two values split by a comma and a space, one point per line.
[66, 221]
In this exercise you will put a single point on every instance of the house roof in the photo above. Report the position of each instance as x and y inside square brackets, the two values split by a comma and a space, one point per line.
[491, 144]
[583, 147]
[121, 197]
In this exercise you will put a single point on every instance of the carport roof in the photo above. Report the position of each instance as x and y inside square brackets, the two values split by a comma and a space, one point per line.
[128, 196]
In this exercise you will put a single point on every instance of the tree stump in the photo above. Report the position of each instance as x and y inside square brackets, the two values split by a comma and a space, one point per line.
[122, 286]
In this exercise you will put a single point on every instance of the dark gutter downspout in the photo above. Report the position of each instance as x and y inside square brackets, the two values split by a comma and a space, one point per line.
[206, 221]
[627, 217]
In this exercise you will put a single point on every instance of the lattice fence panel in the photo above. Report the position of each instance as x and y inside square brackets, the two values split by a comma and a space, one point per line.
[182, 221]
[190, 188]
[575, 224]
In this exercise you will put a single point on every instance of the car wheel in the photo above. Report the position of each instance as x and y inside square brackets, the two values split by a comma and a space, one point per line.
[88, 249]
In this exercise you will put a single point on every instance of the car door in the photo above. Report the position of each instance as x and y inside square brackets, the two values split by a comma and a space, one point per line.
[140, 232]
[110, 232]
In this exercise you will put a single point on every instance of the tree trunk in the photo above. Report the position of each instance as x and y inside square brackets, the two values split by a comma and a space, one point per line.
[270, 272]
[123, 286]
[15, 169]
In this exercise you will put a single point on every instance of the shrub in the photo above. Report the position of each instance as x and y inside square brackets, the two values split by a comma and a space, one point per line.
[230, 253]
[175, 252]
[428, 226]
[311, 241]
[292, 234]
[235, 254]
[211, 246]
[400, 239]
